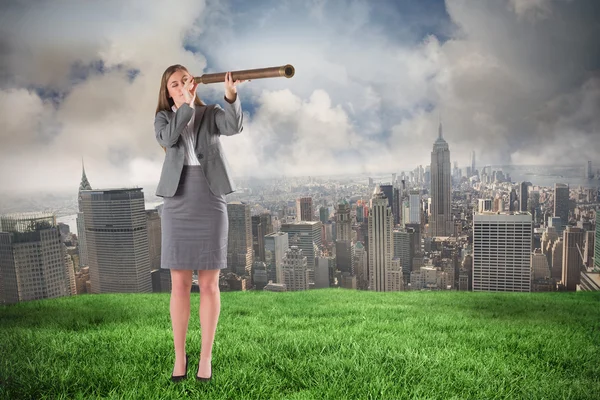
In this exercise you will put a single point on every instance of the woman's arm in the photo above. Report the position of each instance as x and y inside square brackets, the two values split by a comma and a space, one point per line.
[168, 132]
[230, 120]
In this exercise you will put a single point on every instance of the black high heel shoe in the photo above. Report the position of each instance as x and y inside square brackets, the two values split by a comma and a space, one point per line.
[204, 379]
[181, 377]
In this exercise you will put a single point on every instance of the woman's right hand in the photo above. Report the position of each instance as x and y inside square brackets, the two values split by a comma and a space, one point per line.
[189, 91]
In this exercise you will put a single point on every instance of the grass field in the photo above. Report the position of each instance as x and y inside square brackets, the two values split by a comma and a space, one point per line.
[331, 343]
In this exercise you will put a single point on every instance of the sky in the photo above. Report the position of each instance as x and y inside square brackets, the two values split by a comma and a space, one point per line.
[516, 81]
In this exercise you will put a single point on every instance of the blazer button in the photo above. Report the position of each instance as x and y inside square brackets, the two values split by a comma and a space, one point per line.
[200, 156]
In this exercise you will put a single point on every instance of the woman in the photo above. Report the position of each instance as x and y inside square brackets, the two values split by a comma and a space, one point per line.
[193, 182]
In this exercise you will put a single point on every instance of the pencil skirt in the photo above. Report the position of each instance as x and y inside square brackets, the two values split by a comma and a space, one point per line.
[194, 225]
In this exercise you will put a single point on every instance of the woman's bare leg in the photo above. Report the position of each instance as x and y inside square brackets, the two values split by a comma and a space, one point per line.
[181, 285]
[210, 307]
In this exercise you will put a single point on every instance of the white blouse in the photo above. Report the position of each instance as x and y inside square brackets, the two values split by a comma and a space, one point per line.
[189, 140]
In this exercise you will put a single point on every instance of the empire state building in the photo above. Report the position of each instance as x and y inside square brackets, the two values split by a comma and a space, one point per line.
[440, 220]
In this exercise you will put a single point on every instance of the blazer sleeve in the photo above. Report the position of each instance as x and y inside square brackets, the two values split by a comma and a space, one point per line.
[229, 121]
[168, 132]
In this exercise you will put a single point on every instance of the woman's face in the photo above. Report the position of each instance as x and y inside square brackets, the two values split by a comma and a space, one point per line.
[175, 86]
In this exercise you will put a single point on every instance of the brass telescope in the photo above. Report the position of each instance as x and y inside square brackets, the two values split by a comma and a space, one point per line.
[286, 71]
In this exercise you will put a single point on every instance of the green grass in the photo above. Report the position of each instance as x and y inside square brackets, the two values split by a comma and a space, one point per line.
[332, 343]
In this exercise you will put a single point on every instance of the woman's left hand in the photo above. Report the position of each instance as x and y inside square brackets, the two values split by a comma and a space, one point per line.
[230, 87]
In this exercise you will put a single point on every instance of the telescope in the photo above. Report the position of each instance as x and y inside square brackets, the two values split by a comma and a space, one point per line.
[286, 71]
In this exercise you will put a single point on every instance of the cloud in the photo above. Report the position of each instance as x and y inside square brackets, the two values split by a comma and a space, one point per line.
[514, 80]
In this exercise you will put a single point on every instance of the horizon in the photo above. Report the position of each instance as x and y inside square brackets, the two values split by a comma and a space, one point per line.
[65, 191]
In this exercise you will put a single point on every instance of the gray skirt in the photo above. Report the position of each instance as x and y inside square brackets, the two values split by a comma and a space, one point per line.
[194, 225]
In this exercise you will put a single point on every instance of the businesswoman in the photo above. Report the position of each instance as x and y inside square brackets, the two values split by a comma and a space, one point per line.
[194, 181]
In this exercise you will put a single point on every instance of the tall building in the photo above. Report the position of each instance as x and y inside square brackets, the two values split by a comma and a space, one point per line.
[414, 199]
[539, 265]
[258, 238]
[513, 204]
[472, 163]
[343, 256]
[558, 225]
[324, 214]
[360, 266]
[597, 243]
[343, 222]
[154, 238]
[502, 245]
[276, 244]
[440, 220]
[324, 266]
[381, 244]
[33, 262]
[396, 209]
[295, 269]
[589, 173]
[557, 259]
[561, 202]
[523, 196]
[116, 232]
[240, 254]
[306, 235]
[588, 253]
[484, 205]
[84, 185]
[573, 239]
[388, 191]
[304, 209]
[403, 250]
[267, 222]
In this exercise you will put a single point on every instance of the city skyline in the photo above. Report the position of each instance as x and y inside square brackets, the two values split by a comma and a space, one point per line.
[92, 93]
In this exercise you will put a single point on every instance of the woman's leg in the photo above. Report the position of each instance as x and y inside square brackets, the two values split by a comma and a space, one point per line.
[181, 286]
[210, 307]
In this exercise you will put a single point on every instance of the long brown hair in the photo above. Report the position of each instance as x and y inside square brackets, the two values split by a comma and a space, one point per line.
[165, 103]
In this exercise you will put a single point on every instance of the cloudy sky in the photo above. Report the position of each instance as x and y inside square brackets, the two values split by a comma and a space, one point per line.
[518, 81]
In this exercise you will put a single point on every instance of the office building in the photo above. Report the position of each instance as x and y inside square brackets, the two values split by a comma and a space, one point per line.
[502, 245]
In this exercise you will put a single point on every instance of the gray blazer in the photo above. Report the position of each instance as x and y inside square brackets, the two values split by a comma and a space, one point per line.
[211, 122]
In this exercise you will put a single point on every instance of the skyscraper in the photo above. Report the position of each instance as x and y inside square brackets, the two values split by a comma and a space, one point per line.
[472, 163]
[323, 214]
[396, 208]
[154, 238]
[240, 255]
[258, 238]
[597, 243]
[343, 222]
[561, 202]
[84, 185]
[403, 250]
[502, 245]
[539, 265]
[513, 204]
[295, 269]
[573, 239]
[414, 207]
[276, 244]
[381, 244]
[440, 222]
[388, 191]
[523, 196]
[33, 262]
[306, 235]
[304, 209]
[557, 259]
[116, 231]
